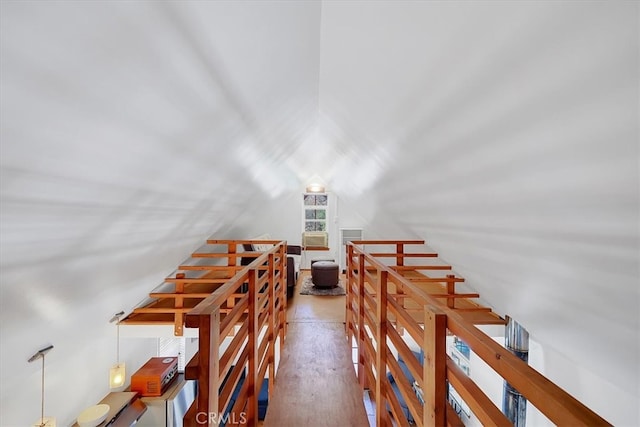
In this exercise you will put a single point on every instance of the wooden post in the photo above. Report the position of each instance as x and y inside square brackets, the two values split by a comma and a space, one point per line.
[252, 344]
[283, 294]
[347, 314]
[232, 248]
[451, 289]
[361, 331]
[273, 320]
[435, 367]
[178, 316]
[349, 297]
[381, 347]
[209, 367]
[399, 287]
[400, 254]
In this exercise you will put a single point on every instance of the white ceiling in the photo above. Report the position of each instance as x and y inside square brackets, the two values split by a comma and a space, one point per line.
[504, 133]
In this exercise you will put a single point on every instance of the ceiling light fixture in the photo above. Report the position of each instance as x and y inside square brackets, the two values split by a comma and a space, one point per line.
[43, 421]
[117, 373]
[315, 188]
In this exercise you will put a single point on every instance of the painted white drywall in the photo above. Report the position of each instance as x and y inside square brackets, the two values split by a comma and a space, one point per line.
[131, 132]
[504, 133]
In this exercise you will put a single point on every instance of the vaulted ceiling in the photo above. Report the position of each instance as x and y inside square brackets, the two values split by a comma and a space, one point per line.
[503, 133]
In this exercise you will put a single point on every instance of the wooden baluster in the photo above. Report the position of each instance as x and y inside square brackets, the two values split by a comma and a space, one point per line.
[273, 318]
[399, 287]
[349, 297]
[252, 343]
[435, 367]
[400, 254]
[381, 347]
[283, 294]
[361, 329]
[232, 248]
[451, 289]
[178, 316]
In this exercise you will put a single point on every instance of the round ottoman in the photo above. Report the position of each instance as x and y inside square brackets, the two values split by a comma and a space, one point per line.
[324, 274]
[313, 261]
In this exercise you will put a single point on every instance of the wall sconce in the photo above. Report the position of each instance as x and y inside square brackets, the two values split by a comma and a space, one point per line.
[315, 188]
[43, 421]
[117, 373]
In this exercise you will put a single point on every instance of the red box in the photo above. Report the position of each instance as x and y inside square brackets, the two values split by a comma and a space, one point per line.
[153, 378]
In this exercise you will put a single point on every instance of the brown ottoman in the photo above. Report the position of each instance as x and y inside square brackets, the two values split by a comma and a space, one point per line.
[313, 261]
[324, 274]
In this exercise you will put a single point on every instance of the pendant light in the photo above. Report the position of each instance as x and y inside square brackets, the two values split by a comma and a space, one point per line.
[117, 373]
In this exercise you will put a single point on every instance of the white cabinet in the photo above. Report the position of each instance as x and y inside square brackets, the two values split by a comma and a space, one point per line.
[347, 235]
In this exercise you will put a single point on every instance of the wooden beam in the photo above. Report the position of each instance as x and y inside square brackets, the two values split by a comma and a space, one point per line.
[453, 420]
[168, 310]
[208, 267]
[199, 295]
[454, 295]
[420, 267]
[387, 242]
[435, 279]
[555, 403]
[433, 295]
[240, 242]
[481, 406]
[192, 368]
[196, 280]
[406, 255]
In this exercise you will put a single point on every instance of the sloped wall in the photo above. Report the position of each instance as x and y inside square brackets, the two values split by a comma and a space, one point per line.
[128, 130]
[506, 134]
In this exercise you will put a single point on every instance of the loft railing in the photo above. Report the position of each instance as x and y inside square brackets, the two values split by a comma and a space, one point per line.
[382, 305]
[238, 337]
[195, 280]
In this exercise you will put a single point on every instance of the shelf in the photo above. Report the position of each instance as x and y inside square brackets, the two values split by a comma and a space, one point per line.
[124, 409]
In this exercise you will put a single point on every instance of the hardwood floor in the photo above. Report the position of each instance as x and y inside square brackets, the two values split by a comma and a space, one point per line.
[316, 383]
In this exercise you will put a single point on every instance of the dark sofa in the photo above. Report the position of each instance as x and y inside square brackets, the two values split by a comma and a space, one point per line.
[293, 264]
[293, 268]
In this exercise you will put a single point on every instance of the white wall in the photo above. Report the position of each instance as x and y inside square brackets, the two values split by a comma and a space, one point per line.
[506, 135]
[128, 130]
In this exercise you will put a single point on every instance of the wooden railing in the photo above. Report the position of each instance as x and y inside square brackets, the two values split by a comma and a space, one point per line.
[196, 279]
[382, 305]
[250, 327]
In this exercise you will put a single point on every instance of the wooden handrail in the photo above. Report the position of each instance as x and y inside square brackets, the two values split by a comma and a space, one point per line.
[377, 299]
[261, 312]
[168, 305]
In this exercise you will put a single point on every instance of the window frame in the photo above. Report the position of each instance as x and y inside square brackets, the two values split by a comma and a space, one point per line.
[316, 208]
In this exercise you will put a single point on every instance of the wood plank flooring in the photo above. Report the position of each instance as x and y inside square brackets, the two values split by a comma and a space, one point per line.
[316, 385]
